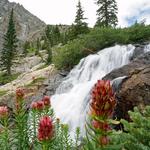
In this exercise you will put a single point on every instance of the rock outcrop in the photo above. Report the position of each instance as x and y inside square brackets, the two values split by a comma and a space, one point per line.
[135, 88]
[27, 24]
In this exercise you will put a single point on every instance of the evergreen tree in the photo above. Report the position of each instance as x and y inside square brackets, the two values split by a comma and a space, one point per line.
[107, 13]
[9, 46]
[38, 46]
[56, 34]
[26, 46]
[49, 52]
[80, 26]
[49, 32]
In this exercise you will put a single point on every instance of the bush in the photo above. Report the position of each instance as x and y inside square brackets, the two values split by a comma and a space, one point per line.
[70, 54]
[136, 133]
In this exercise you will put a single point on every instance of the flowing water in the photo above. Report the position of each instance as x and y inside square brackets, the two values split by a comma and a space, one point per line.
[71, 101]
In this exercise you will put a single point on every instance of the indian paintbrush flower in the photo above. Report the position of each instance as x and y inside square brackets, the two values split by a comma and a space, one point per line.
[103, 99]
[3, 111]
[46, 129]
[46, 100]
[19, 93]
[101, 108]
[41, 104]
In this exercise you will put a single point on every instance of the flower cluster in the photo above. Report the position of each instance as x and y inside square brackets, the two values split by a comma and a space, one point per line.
[101, 109]
[3, 111]
[46, 129]
[41, 104]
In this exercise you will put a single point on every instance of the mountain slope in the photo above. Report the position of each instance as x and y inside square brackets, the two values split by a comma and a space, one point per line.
[26, 23]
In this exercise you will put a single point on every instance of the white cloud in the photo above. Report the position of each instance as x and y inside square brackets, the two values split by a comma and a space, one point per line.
[63, 11]
[132, 8]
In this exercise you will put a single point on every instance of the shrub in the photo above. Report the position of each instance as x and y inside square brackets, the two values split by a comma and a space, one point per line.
[136, 133]
[70, 54]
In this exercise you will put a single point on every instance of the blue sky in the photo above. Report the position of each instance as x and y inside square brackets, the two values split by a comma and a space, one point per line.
[63, 11]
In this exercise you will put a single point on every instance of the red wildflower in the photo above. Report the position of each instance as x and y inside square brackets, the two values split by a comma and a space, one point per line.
[19, 93]
[46, 100]
[103, 99]
[40, 105]
[34, 105]
[46, 129]
[101, 108]
[104, 140]
[3, 111]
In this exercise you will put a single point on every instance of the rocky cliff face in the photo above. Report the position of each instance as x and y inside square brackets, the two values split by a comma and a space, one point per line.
[26, 23]
[135, 88]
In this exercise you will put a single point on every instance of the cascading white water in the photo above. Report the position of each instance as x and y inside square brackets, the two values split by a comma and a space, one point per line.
[72, 97]
[147, 48]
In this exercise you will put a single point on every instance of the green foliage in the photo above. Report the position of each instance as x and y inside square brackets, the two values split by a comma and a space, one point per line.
[70, 54]
[26, 48]
[24, 134]
[136, 135]
[52, 35]
[38, 46]
[9, 46]
[107, 13]
[31, 48]
[27, 127]
[5, 78]
[49, 58]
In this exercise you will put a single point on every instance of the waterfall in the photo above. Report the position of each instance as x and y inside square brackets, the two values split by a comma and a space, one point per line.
[71, 101]
[147, 48]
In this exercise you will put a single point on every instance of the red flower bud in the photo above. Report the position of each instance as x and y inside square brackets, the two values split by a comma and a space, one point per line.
[33, 105]
[3, 111]
[19, 93]
[104, 140]
[46, 101]
[40, 105]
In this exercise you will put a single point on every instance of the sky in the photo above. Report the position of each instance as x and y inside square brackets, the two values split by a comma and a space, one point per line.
[64, 11]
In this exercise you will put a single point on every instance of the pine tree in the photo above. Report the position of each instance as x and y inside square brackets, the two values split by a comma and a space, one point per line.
[56, 34]
[80, 26]
[9, 46]
[49, 52]
[26, 46]
[38, 46]
[107, 13]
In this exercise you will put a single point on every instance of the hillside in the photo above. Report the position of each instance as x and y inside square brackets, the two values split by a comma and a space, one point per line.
[26, 23]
